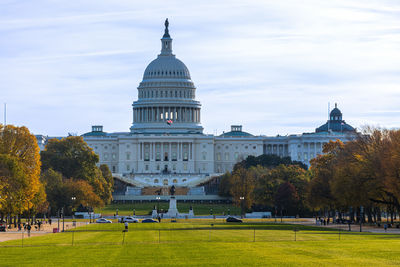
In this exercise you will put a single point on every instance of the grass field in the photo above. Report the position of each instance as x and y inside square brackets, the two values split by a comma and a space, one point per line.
[146, 207]
[197, 243]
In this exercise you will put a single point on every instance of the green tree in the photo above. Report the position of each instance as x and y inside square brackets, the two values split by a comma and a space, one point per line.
[74, 159]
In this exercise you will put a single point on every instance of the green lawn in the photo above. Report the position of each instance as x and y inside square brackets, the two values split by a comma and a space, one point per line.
[197, 243]
[146, 207]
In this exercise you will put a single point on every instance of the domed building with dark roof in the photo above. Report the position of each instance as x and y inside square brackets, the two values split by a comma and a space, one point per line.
[166, 145]
[335, 123]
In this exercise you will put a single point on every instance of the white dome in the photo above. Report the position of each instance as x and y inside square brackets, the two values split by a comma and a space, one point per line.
[166, 67]
[166, 96]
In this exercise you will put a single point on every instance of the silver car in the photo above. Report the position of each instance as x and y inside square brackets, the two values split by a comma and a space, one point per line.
[102, 220]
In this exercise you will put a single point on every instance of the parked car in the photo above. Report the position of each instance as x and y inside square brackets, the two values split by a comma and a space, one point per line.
[128, 220]
[149, 221]
[233, 219]
[3, 226]
[102, 220]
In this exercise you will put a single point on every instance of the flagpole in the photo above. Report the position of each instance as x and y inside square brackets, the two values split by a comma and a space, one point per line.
[329, 109]
[5, 114]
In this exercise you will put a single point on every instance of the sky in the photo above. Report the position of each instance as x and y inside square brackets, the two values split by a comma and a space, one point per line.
[271, 66]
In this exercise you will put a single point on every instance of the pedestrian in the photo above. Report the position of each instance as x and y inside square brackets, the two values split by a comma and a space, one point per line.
[39, 224]
[385, 227]
[19, 227]
[50, 221]
[159, 218]
[29, 230]
[126, 226]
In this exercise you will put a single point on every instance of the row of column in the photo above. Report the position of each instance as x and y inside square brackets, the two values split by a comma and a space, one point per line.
[161, 114]
[180, 150]
[280, 149]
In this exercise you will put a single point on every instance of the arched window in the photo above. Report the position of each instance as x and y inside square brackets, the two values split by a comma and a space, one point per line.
[156, 181]
[174, 181]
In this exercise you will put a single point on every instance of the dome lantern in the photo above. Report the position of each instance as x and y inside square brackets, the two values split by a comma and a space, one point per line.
[166, 41]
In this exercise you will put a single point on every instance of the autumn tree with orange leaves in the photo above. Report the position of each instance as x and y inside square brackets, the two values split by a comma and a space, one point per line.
[21, 189]
[363, 173]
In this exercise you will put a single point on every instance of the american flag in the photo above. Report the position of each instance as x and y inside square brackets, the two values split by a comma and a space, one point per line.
[169, 122]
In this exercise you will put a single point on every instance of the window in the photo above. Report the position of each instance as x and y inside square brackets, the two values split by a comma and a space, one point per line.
[226, 156]
[218, 156]
[128, 168]
[236, 155]
[174, 167]
[113, 156]
[185, 166]
[204, 167]
[174, 157]
[175, 181]
[105, 156]
[146, 167]
[158, 156]
[158, 167]
[156, 181]
[305, 156]
[185, 156]
[113, 169]
[204, 155]
[128, 156]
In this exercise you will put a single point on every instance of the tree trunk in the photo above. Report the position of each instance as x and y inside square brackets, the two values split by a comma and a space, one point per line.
[369, 214]
[379, 214]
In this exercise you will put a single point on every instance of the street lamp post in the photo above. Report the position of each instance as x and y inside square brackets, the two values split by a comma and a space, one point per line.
[62, 211]
[72, 205]
[158, 204]
[241, 204]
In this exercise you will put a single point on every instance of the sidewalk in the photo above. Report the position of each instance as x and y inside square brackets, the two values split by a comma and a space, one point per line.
[13, 233]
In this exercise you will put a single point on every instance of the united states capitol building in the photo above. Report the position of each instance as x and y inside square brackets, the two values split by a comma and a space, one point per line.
[166, 144]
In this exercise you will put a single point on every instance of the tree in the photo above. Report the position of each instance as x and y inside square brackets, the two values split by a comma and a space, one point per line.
[270, 180]
[61, 191]
[267, 160]
[74, 159]
[20, 167]
[242, 186]
[286, 198]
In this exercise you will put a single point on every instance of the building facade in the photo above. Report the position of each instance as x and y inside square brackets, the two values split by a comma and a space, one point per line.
[166, 144]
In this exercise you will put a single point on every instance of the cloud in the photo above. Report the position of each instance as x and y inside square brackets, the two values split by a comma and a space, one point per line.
[272, 66]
